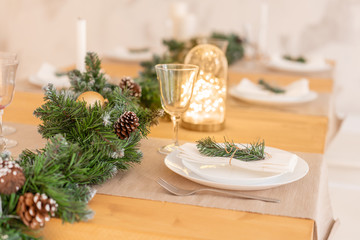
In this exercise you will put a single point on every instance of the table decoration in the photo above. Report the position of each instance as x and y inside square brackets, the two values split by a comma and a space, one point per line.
[176, 88]
[84, 148]
[207, 108]
[176, 52]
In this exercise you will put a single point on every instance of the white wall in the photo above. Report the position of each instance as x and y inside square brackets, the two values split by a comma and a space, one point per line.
[43, 30]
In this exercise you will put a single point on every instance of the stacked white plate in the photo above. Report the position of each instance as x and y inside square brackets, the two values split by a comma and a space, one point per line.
[231, 177]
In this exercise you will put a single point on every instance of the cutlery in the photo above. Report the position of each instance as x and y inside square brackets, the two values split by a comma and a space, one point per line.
[184, 192]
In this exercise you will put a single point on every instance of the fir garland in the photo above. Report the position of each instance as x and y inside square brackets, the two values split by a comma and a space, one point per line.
[82, 148]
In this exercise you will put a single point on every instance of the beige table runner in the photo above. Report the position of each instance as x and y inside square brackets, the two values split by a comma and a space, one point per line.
[306, 198]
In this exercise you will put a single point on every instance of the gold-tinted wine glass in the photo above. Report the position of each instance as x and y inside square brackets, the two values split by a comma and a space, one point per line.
[176, 87]
[8, 69]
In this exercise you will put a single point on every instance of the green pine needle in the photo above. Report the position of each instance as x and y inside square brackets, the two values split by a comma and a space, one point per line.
[209, 147]
[270, 88]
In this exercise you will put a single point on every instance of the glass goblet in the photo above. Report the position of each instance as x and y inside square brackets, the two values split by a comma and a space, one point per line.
[7, 85]
[176, 87]
[8, 130]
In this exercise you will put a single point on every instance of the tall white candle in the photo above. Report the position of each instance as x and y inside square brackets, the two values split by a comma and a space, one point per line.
[264, 18]
[81, 44]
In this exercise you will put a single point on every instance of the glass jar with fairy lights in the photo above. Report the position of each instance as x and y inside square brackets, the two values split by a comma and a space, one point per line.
[207, 107]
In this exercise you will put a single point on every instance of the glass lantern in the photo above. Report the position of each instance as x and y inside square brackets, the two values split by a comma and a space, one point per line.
[207, 106]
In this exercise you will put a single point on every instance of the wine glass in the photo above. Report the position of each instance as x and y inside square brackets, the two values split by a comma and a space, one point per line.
[8, 69]
[7, 130]
[176, 87]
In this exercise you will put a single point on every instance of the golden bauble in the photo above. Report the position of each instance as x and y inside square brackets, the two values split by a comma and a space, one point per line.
[91, 98]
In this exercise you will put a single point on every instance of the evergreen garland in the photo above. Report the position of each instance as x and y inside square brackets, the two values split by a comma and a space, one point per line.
[82, 148]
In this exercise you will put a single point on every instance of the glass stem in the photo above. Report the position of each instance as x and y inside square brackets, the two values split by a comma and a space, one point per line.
[2, 139]
[176, 121]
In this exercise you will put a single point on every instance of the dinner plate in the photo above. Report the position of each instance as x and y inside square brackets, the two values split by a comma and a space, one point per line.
[273, 99]
[176, 165]
[312, 64]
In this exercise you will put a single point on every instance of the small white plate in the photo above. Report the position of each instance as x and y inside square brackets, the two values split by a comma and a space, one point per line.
[312, 64]
[176, 165]
[273, 99]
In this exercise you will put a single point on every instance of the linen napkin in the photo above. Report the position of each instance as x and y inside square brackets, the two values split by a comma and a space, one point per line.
[47, 74]
[277, 161]
[295, 89]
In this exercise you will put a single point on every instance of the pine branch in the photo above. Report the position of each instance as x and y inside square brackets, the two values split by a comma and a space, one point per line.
[253, 152]
[299, 59]
[270, 88]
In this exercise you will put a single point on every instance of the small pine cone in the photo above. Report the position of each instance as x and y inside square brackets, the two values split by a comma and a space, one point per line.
[35, 210]
[126, 124]
[11, 176]
[128, 83]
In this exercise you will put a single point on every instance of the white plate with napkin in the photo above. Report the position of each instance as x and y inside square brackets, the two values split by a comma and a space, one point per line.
[276, 163]
[295, 93]
[175, 164]
[46, 75]
[312, 64]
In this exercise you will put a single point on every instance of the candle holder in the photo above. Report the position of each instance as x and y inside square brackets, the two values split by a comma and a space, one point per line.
[207, 106]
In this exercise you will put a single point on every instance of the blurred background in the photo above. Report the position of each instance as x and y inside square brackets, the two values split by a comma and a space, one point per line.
[45, 31]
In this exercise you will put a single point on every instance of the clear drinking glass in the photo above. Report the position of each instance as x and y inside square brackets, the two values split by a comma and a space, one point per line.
[176, 87]
[7, 130]
[8, 69]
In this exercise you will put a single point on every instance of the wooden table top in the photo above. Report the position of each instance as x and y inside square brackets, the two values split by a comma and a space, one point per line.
[128, 218]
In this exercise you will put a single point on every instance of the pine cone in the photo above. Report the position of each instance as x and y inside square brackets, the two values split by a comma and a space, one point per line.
[35, 210]
[11, 177]
[126, 124]
[128, 83]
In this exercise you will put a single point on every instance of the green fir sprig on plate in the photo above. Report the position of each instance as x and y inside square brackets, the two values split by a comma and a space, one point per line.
[267, 86]
[299, 59]
[251, 152]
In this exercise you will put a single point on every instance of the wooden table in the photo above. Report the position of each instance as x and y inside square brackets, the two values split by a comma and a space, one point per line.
[128, 218]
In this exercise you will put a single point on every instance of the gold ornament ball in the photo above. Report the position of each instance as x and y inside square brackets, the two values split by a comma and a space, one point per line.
[91, 98]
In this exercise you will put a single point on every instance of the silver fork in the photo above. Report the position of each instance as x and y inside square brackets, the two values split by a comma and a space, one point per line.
[183, 192]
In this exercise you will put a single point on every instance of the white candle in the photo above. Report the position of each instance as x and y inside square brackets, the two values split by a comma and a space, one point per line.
[263, 28]
[81, 44]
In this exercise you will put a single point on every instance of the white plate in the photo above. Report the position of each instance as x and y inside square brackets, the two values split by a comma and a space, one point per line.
[273, 99]
[312, 64]
[175, 164]
[227, 173]
[33, 79]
